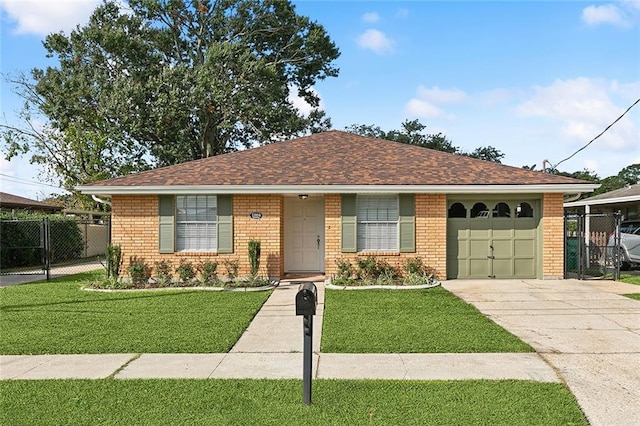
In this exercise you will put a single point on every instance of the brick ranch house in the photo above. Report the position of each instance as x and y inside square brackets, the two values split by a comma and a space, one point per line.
[317, 199]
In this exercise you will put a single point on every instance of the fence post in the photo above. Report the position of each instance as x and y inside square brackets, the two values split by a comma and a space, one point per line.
[47, 247]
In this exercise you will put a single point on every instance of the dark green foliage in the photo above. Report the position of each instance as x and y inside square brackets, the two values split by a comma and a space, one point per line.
[208, 272]
[163, 82]
[114, 261]
[186, 271]
[162, 273]
[139, 271]
[279, 402]
[412, 133]
[254, 256]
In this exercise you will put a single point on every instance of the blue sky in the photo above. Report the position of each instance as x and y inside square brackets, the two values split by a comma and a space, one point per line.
[537, 80]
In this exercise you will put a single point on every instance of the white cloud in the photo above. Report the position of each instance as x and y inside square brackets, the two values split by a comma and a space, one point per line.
[376, 41]
[441, 96]
[583, 108]
[42, 17]
[371, 17]
[428, 100]
[623, 14]
[421, 108]
[302, 105]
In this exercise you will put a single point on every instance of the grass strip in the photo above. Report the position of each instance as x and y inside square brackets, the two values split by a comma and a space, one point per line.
[411, 321]
[57, 317]
[279, 402]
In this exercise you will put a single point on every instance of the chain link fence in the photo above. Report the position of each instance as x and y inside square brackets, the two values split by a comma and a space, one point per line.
[592, 246]
[67, 245]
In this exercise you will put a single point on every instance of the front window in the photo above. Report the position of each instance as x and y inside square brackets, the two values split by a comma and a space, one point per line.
[196, 223]
[378, 222]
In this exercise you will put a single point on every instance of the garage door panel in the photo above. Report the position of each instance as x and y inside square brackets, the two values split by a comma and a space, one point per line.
[502, 248]
[479, 234]
[502, 268]
[502, 233]
[478, 268]
[524, 248]
[478, 248]
[524, 268]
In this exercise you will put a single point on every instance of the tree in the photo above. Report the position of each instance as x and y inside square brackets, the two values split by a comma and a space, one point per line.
[412, 133]
[487, 153]
[170, 81]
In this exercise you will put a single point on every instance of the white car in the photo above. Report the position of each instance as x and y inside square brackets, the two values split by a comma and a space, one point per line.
[629, 246]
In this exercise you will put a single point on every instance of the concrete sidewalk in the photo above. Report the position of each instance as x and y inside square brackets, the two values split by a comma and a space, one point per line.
[271, 347]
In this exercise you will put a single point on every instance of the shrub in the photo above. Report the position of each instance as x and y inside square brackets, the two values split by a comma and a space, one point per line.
[367, 268]
[163, 272]
[114, 260]
[254, 256]
[208, 272]
[138, 271]
[186, 271]
[232, 267]
[345, 269]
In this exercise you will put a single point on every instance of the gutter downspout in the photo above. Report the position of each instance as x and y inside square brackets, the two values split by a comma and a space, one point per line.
[100, 200]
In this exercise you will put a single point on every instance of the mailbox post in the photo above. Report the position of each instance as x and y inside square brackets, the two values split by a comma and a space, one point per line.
[306, 302]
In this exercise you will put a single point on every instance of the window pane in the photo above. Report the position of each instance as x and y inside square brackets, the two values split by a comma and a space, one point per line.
[457, 210]
[502, 210]
[196, 223]
[524, 210]
[378, 222]
[480, 210]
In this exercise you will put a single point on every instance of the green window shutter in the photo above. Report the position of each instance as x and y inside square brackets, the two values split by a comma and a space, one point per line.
[166, 231]
[407, 223]
[225, 224]
[349, 224]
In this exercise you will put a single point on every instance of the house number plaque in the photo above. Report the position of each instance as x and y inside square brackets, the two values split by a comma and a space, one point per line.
[255, 215]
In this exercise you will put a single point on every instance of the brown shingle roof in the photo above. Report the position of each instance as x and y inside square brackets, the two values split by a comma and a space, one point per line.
[337, 158]
[15, 201]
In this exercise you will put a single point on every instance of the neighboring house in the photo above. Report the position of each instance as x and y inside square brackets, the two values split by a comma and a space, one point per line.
[10, 203]
[624, 200]
[317, 199]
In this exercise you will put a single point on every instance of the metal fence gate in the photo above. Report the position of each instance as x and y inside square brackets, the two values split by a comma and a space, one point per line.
[592, 243]
[62, 245]
[24, 247]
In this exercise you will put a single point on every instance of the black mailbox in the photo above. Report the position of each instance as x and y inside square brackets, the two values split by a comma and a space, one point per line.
[306, 299]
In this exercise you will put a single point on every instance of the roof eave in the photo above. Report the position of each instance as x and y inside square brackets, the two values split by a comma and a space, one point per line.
[616, 200]
[336, 189]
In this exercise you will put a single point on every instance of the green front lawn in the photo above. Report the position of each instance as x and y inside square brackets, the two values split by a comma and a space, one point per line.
[630, 279]
[279, 402]
[410, 321]
[59, 318]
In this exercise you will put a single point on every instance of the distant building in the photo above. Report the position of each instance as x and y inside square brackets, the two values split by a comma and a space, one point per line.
[10, 202]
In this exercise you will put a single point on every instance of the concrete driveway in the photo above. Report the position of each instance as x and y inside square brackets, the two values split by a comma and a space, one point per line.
[586, 330]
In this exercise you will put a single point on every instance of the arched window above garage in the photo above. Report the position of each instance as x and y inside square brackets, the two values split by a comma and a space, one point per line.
[502, 210]
[457, 210]
[480, 210]
[524, 210]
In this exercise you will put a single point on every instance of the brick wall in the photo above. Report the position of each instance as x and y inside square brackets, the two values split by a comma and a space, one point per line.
[431, 235]
[135, 229]
[552, 236]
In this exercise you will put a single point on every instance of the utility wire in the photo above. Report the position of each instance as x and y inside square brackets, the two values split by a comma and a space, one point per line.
[26, 181]
[601, 133]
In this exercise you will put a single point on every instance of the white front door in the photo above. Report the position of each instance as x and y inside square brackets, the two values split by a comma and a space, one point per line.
[304, 234]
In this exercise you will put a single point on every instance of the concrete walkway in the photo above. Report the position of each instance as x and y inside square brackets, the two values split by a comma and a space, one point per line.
[584, 329]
